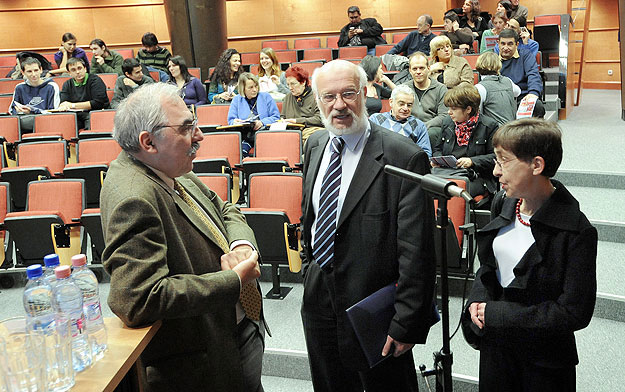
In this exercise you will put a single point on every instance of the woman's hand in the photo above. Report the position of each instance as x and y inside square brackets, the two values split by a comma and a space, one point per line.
[434, 164]
[275, 79]
[464, 163]
[257, 125]
[477, 309]
[226, 96]
[237, 121]
[62, 49]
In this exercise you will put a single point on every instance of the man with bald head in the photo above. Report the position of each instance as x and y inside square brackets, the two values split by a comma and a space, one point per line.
[418, 40]
[363, 229]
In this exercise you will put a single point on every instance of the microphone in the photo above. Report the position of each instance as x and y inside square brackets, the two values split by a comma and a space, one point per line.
[431, 183]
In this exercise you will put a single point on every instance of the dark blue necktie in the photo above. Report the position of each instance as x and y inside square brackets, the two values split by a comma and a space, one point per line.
[325, 230]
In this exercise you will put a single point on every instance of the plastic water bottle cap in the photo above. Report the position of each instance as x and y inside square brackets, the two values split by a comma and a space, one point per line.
[34, 271]
[51, 260]
[79, 260]
[62, 272]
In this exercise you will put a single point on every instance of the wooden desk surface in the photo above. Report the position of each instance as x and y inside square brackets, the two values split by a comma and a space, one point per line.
[124, 347]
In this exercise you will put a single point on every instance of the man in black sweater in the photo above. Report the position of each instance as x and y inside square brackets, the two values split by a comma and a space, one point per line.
[361, 32]
[83, 92]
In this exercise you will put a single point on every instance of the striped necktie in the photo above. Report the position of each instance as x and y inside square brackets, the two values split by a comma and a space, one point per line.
[250, 296]
[325, 230]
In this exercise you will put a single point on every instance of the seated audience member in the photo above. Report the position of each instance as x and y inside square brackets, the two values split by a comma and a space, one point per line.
[191, 89]
[505, 6]
[401, 120]
[153, 55]
[520, 66]
[299, 105]
[33, 96]
[472, 18]
[537, 282]
[83, 92]
[68, 50]
[418, 40]
[16, 72]
[105, 60]
[374, 90]
[497, 93]
[461, 38]
[468, 136]
[499, 23]
[133, 78]
[223, 82]
[361, 32]
[446, 67]
[517, 10]
[525, 42]
[429, 96]
[251, 106]
[270, 77]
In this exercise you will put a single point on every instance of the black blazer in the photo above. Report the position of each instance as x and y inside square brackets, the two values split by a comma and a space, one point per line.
[480, 148]
[384, 235]
[553, 293]
[371, 33]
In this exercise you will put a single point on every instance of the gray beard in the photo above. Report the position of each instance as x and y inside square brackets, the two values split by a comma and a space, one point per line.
[358, 125]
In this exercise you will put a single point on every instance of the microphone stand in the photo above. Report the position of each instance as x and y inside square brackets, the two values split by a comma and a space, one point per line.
[443, 190]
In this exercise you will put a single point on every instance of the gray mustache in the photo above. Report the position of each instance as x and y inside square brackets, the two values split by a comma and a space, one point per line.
[194, 147]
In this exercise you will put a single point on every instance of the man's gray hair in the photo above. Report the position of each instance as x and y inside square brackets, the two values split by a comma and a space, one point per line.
[334, 65]
[402, 89]
[142, 111]
[428, 19]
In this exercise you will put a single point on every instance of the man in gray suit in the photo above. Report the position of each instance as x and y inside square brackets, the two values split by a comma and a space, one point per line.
[176, 252]
[362, 230]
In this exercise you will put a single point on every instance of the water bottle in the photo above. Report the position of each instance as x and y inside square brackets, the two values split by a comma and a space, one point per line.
[67, 301]
[86, 280]
[37, 300]
[51, 261]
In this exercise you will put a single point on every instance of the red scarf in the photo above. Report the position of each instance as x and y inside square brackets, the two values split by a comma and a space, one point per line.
[464, 129]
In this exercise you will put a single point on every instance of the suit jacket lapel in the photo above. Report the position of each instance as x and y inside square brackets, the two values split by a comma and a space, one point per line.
[316, 153]
[367, 170]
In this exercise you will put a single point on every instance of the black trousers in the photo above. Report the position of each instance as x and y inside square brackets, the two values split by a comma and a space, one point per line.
[501, 370]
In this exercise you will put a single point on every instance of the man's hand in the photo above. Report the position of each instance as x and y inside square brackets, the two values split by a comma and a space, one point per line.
[99, 59]
[400, 347]
[129, 82]
[235, 256]
[65, 105]
[477, 309]
[531, 96]
[257, 125]
[464, 163]
[289, 120]
[247, 268]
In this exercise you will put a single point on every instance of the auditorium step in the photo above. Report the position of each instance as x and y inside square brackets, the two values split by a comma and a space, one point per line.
[285, 354]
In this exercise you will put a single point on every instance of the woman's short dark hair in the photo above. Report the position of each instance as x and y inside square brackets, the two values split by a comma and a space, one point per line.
[68, 36]
[298, 73]
[222, 68]
[184, 71]
[463, 97]
[370, 64]
[532, 137]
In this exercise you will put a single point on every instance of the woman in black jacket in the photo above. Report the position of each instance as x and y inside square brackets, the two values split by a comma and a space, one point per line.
[467, 135]
[537, 280]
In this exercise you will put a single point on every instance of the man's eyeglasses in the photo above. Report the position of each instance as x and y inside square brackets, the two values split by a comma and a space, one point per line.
[348, 96]
[184, 129]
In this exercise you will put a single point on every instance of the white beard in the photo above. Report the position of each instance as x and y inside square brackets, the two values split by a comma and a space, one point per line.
[359, 123]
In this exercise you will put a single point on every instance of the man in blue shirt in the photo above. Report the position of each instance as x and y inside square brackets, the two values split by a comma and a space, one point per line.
[525, 42]
[418, 40]
[520, 66]
[400, 119]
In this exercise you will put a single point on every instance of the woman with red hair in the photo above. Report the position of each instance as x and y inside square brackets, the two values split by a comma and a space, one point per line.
[299, 105]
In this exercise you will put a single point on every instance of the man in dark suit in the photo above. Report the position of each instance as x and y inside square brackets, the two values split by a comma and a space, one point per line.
[176, 252]
[363, 230]
[361, 32]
